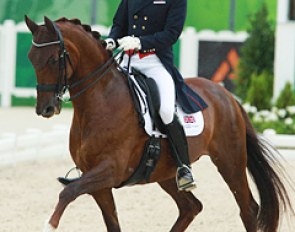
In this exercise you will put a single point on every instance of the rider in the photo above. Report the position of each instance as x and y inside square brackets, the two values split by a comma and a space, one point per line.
[146, 30]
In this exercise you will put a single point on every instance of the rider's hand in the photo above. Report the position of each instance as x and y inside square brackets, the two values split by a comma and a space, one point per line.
[129, 43]
[111, 44]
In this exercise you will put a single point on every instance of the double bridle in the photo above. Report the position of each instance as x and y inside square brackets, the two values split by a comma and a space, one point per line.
[62, 85]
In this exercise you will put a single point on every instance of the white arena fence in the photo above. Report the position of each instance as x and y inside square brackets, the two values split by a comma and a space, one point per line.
[188, 52]
[285, 144]
[35, 144]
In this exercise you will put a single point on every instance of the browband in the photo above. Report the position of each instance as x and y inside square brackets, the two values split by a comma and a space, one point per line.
[40, 45]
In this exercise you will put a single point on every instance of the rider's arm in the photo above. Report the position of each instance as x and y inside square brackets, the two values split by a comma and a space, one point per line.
[120, 22]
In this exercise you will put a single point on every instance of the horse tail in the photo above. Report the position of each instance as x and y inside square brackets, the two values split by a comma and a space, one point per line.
[266, 171]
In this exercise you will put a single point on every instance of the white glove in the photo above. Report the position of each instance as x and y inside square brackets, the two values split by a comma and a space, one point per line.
[111, 44]
[129, 43]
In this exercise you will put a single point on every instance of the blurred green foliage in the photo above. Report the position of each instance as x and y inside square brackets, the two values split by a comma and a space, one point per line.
[286, 97]
[260, 91]
[257, 55]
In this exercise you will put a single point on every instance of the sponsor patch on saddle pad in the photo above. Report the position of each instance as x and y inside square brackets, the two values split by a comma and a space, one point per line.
[193, 124]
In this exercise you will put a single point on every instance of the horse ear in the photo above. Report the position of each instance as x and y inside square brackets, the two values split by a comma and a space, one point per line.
[49, 25]
[33, 27]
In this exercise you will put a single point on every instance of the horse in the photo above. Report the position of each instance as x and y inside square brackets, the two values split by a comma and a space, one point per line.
[106, 141]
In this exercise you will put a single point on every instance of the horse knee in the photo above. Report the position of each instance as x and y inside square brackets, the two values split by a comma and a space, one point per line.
[67, 195]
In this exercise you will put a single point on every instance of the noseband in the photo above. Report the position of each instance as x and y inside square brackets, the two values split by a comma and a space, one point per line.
[62, 85]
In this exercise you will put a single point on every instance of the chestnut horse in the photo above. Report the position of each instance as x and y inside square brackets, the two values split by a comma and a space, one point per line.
[106, 141]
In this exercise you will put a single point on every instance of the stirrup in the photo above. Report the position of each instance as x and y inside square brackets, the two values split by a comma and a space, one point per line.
[66, 180]
[184, 179]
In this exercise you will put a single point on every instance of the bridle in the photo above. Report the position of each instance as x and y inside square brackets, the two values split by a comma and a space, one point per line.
[62, 84]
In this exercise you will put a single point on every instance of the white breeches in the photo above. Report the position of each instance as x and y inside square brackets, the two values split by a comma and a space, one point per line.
[152, 67]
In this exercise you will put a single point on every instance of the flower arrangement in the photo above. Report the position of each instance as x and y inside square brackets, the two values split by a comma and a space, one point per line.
[282, 121]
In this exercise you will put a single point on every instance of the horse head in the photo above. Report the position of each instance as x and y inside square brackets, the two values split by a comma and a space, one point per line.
[45, 56]
[55, 59]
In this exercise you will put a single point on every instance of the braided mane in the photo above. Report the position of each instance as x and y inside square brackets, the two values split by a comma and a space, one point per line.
[86, 27]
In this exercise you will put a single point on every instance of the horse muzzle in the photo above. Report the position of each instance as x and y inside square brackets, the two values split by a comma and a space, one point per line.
[49, 110]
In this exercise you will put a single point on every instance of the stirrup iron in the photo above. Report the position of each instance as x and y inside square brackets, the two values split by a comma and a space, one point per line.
[184, 179]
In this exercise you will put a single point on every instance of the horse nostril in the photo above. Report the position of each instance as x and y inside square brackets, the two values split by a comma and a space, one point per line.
[48, 111]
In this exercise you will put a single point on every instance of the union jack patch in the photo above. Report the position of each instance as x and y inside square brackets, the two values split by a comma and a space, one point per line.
[189, 119]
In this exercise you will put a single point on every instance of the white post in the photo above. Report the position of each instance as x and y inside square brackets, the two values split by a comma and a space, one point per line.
[189, 52]
[282, 11]
[7, 62]
[284, 62]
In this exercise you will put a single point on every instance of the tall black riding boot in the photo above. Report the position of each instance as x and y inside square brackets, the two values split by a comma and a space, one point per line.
[179, 148]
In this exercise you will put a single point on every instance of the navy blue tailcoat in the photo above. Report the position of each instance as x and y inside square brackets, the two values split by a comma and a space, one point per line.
[158, 24]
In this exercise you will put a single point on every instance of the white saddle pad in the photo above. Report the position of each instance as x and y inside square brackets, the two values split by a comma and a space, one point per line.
[193, 124]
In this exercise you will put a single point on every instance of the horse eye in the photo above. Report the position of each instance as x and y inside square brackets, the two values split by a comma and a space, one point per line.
[52, 60]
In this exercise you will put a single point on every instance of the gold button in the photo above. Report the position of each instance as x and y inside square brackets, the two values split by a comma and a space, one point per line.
[135, 16]
[145, 18]
[134, 26]
[143, 27]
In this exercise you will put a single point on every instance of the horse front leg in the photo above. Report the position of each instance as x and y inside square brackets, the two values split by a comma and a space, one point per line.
[98, 178]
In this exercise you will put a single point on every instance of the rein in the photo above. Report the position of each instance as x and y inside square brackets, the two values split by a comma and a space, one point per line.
[106, 66]
[62, 86]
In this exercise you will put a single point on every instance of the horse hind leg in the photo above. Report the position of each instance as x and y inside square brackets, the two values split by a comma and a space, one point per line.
[231, 164]
[189, 206]
[106, 203]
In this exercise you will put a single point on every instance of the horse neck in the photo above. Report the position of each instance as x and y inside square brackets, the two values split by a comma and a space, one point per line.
[108, 96]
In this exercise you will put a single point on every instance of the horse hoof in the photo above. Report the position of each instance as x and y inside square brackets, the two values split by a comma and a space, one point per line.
[48, 227]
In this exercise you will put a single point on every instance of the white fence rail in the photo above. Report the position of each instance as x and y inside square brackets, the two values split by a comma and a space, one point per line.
[36, 144]
[284, 143]
[189, 43]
